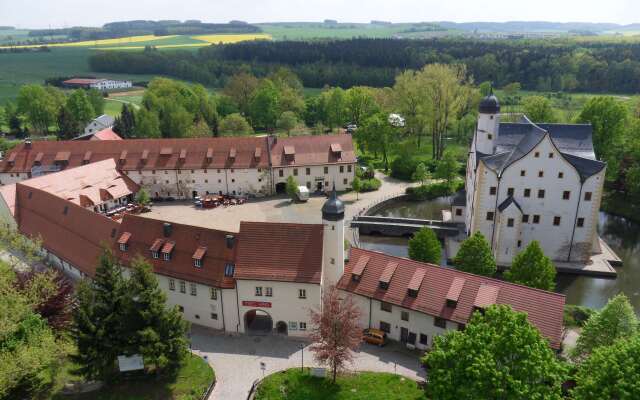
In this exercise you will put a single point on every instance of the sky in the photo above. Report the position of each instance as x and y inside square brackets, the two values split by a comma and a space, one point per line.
[66, 13]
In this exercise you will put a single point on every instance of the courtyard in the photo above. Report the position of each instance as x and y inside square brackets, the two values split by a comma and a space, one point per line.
[272, 209]
[236, 359]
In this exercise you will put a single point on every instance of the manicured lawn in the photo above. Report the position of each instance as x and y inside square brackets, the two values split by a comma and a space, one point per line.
[189, 383]
[296, 385]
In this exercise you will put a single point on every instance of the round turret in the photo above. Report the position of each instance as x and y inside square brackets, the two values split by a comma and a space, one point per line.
[489, 105]
[333, 209]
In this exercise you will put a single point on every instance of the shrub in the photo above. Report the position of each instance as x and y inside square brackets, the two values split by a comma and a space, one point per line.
[403, 167]
[576, 315]
[369, 185]
[428, 192]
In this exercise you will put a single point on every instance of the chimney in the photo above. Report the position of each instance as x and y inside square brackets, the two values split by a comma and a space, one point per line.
[230, 239]
[27, 144]
[167, 229]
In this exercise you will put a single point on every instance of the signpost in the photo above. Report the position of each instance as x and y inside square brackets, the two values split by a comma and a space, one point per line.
[302, 355]
[263, 367]
[132, 363]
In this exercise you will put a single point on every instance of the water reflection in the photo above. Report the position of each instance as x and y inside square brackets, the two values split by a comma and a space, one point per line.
[621, 234]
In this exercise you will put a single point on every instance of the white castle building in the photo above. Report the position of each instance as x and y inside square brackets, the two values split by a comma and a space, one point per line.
[528, 181]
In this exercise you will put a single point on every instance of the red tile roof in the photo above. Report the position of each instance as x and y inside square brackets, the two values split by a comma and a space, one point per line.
[199, 153]
[105, 134]
[312, 150]
[544, 309]
[416, 279]
[86, 185]
[168, 246]
[81, 81]
[388, 272]
[185, 240]
[76, 235]
[159, 153]
[279, 252]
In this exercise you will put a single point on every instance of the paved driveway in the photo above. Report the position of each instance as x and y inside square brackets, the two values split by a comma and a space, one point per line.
[236, 359]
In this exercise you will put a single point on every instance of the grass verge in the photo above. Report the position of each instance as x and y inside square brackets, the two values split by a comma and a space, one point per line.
[294, 384]
[190, 382]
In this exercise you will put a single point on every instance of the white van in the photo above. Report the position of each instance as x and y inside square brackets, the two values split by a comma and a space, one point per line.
[303, 193]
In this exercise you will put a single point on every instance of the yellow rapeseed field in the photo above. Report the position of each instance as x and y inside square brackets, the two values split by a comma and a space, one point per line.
[124, 41]
[101, 42]
[215, 39]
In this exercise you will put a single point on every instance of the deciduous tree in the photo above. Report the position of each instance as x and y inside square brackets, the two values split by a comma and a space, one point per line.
[80, 108]
[377, 135]
[424, 246]
[475, 256]
[538, 109]
[291, 187]
[147, 124]
[608, 118]
[235, 125]
[38, 106]
[616, 320]
[447, 168]
[265, 107]
[499, 355]
[241, 88]
[335, 331]
[532, 268]
[611, 372]
[287, 121]
[421, 173]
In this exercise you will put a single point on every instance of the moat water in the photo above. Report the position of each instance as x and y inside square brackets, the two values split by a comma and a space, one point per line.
[621, 234]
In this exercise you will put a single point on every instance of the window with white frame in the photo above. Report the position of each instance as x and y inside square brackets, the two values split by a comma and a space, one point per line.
[183, 287]
[172, 284]
[302, 293]
[213, 293]
[193, 289]
[258, 290]
[302, 326]
[197, 262]
[166, 256]
[123, 247]
[155, 254]
[293, 326]
[268, 291]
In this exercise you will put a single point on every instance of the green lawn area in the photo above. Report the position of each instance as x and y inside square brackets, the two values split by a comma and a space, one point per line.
[189, 383]
[293, 384]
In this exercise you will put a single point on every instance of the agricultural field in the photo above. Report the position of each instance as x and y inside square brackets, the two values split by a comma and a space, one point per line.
[312, 30]
[139, 42]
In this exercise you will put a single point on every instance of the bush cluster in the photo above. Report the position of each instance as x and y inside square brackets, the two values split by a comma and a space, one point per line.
[432, 191]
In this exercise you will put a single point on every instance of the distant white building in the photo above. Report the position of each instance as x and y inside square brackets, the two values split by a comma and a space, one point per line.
[98, 124]
[528, 181]
[99, 84]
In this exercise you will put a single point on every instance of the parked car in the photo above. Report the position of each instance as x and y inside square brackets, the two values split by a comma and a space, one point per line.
[374, 336]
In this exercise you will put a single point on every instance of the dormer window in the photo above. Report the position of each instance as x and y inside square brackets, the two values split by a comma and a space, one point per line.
[355, 278]
[451, 303]
[123, 241]
[229, 268]
[198, 256]
[412, 293]
[167, 249]
[155, 248]
[383, 285]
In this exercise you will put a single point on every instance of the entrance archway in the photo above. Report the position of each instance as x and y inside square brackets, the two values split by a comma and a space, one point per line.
[257, 322]
[281, 187]
[281, 328]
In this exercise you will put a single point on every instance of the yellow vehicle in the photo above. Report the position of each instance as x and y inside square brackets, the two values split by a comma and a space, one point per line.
[374, 336]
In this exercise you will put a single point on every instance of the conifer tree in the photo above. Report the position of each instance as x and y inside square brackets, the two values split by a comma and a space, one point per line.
[154, 331]
[532, 268]
[98, 319]
[425, 247]
[475, 256]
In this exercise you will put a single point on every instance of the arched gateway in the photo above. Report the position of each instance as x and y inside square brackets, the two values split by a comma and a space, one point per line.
[257, 322]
